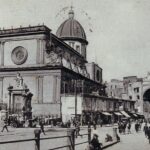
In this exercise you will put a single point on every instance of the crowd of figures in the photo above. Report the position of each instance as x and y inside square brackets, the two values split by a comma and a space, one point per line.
[124, 126]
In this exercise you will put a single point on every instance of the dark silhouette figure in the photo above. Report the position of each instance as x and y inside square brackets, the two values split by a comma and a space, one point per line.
[129, 127]
[95, 144]
[148, 135]
[136, 127]
[77, 126]
[108, 138]
[145, 129]
[5, 126]
[42, 127]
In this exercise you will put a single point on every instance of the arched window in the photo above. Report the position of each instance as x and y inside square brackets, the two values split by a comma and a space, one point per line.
[71, 44]
[78, 48]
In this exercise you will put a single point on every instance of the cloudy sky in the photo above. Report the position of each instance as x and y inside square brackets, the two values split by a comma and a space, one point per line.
[118, 31]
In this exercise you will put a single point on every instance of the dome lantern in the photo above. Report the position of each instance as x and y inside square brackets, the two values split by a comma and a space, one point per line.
[71, 14]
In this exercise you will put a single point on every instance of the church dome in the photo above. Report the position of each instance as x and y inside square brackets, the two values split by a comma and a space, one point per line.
[71, 29]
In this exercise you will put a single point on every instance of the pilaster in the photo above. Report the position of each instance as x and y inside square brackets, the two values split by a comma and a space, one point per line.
[39, 89]
[58, 89]
[40, 51]
[1, 90]
[54, 88]
[2, 53]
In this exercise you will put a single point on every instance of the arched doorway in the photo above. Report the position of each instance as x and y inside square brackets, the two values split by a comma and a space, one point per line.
[146, 101]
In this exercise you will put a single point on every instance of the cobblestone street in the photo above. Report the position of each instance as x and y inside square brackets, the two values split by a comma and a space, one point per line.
[25, 133]
[134, 141]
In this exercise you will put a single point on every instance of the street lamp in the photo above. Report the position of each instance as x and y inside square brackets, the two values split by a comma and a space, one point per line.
[10, 91]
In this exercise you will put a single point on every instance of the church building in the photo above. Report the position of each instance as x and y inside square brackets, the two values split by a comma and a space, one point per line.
[54, 68]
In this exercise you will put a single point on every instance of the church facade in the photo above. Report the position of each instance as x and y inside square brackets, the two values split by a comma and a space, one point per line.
[53, 68]
[55, 71]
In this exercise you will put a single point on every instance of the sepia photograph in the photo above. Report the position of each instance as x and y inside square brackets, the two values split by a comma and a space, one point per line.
[74, 74]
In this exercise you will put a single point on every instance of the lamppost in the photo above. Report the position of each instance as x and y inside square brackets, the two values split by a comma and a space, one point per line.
[10, 91]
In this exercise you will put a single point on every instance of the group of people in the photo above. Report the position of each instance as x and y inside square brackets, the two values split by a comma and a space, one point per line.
[124, 126]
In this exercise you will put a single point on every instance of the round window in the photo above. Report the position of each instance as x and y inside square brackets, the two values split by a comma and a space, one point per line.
[19, 55]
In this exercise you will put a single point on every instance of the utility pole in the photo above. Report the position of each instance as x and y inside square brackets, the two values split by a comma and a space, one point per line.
[82, 95]
[10, 88]
[75, 98]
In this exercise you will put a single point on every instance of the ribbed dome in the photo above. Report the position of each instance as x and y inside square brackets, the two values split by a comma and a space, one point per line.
[71, 29]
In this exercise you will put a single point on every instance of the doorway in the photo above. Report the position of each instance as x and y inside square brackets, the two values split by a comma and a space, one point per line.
[17, 103]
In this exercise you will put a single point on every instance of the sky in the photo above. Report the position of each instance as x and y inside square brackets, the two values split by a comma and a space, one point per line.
[118, 31]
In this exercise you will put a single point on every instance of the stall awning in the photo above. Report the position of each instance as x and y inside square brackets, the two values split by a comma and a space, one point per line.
[125, 114]
[140, 115]
[106, 113]
[118, 113]
[135, 115]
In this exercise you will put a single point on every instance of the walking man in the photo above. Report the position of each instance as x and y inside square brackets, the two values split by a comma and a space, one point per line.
[77, 126]
[129, 127]
[148, 135]
[5, 126]
[42, 127]
[136, 127]
[145, 129]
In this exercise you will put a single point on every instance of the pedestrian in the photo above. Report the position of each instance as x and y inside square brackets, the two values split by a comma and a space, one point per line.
[42, 127]
[136, 127]
[5, 125]
[100, 122]
[108, 138]
[77, 126]
[118, 138]
[120, 127]
[139, 126]
[145, 129]
[129, 127]
[94, 123]
[148, 134]
[124, 127]
[95, 144]
[94, 131]
[68, 124]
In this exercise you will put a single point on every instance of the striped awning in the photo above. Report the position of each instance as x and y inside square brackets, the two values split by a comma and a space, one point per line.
[125, 114]
[135, 115]
[118, 113]
[106, 113]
